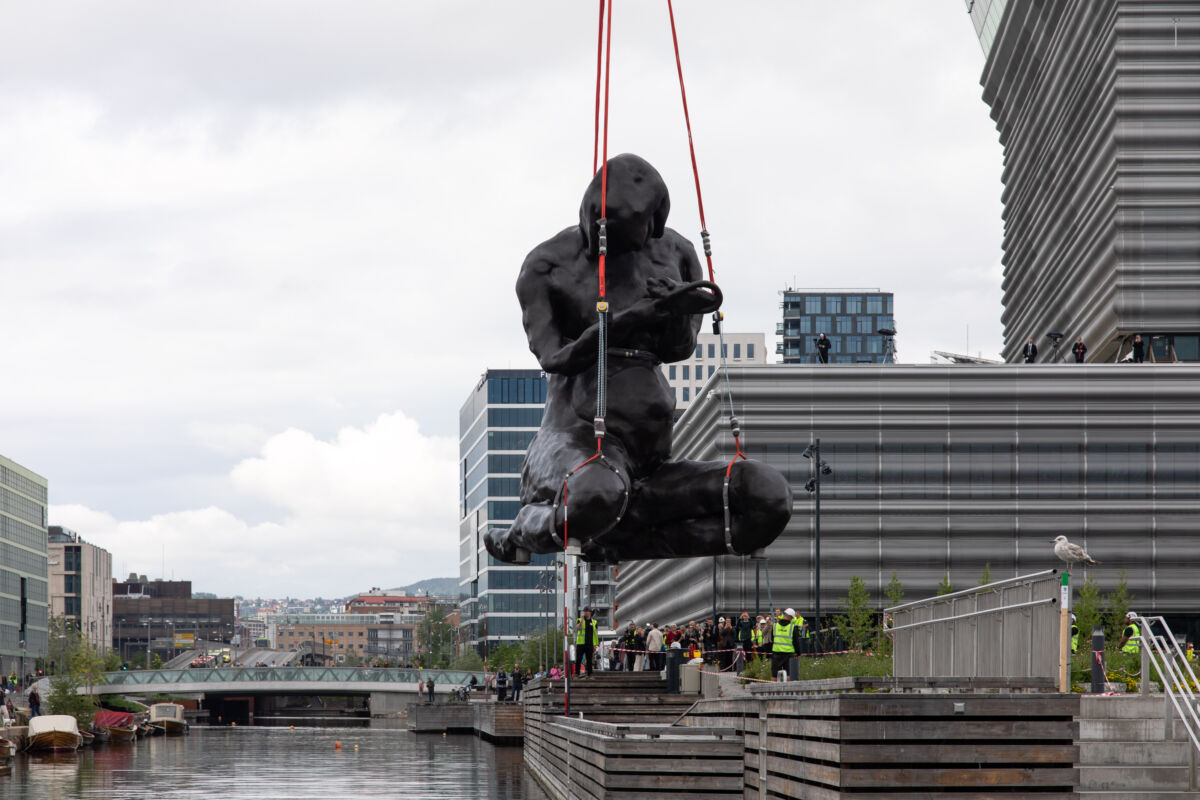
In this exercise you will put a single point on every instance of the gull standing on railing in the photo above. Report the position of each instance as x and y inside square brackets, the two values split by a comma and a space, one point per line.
[1071, 553]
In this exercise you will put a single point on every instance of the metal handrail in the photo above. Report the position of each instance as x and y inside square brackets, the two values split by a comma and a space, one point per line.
[286, 673]
[987, 587]
[1178, 689]
[996, 610]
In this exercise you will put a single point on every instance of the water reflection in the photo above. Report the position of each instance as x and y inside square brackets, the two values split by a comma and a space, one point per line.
[241, 763]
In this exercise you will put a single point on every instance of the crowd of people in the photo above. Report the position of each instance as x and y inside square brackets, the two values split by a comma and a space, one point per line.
[727, 643]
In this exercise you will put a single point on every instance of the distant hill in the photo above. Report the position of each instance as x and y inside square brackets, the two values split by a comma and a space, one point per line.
[437, 587]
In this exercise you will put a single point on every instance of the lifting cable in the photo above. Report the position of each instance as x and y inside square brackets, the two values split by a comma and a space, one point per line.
[734, 426]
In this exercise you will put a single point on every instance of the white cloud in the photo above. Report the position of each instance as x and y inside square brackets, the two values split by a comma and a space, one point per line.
[374, 506]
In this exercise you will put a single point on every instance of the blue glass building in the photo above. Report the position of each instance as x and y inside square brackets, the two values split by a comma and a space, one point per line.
[499, 602]
[850, 318]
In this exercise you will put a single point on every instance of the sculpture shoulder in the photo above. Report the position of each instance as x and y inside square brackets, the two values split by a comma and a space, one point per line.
[554, 254]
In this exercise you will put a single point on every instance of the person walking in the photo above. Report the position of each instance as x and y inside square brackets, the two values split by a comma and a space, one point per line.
[501, 685]
[783, 640]
[1079, 349]
[429, 687]
[655, 644]
[1139, 349]
[587, 636]
[823, 344]
[629, 646]
[35, 703]
[1030, 351]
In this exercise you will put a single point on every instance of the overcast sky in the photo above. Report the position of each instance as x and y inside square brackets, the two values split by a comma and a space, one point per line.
[254, 255]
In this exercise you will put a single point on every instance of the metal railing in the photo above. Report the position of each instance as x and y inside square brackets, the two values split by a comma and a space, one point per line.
[225, 675]
[1006, 629]
[1163, 653]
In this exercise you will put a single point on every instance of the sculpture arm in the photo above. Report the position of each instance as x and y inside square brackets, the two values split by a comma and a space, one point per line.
[679, 338]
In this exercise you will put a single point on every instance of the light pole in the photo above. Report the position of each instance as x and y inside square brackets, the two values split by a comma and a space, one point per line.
[813, 487]
[147, 624]
[21, 677]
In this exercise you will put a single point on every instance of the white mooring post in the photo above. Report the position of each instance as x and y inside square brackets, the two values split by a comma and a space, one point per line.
[1064, 634]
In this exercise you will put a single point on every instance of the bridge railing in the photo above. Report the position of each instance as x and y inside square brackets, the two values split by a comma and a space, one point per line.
[268, 674]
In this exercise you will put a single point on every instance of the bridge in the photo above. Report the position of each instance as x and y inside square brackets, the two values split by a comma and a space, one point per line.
[280, 680]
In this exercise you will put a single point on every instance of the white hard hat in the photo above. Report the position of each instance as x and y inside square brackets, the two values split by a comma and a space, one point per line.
[1130, 615]
[1072, 618]
[791, 612]
[762, 620]
[722, 619]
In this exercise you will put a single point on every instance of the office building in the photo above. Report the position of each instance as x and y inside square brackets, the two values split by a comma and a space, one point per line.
[332, 638]
[148, 616]
[499, 602]
[687, 378]
[1093, 105]
[81, 585]
[24, 573]
[850, 318]
[948, 470]
[378, 601]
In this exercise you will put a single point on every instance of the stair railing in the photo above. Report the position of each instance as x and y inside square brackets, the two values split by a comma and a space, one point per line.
[1162, 651]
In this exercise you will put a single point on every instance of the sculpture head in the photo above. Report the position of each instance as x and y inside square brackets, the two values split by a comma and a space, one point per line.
[637, 206]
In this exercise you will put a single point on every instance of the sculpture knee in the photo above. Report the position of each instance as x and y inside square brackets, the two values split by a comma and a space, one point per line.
[761, 495]
[595, 499]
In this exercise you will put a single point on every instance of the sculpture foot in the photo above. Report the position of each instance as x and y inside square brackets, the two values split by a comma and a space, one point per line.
[500, 545]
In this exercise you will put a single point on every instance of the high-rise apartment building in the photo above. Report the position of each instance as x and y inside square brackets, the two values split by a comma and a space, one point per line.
[81, 585]
[850, 318]
[24, 573]
[687, 378]
[499, 602]
[1092, 100]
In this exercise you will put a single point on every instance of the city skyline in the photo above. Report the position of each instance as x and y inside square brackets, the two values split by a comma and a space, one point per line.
[248, 290]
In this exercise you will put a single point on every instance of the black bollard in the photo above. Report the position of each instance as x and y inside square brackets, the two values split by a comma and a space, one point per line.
[794, 668]
[674, 661]
[1098, 678]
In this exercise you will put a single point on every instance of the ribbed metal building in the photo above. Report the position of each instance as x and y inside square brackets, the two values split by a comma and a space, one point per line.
[947, 470]
[1095, 105]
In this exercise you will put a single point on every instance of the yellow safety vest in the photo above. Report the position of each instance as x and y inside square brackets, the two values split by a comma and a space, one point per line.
[782, 638]
[756, 637]
[580, 631]
[799, 623]
[1074, 639]
[1133, 643]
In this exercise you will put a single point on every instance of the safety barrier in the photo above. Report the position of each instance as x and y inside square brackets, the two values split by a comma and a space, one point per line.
[1163, 653]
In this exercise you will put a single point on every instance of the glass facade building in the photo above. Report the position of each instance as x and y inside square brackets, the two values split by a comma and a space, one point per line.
[850, 318]
[986, 16]
[24, 567]
[499, 602]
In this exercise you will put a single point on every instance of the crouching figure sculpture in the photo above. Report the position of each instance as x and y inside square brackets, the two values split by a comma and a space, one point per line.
[635, 502]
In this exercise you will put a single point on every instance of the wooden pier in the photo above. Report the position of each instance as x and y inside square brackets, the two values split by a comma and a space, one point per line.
[501, 723]
[883, 738]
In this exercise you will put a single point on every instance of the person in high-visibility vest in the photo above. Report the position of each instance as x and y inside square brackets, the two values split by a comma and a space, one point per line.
[586, 638]
[1190, 653]
[1074, 635]
[756, 636]
[1131, 639]
[783, 640]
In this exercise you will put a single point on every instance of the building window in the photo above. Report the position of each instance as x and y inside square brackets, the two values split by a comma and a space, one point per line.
[864, 325]
[805, 325]
[875, 304]
[844, 324]
[72, 584]
[687, 395]
[711, 370]
[671, 372]
[835, 344]
[712, 351]
[737, 350]
[853, 305]
[833, 305]
[749, 350]
[875, 345]
[687, 372]
[854, 344]
[699, 351]
[72, 558]
[812, 305]
[823, 325]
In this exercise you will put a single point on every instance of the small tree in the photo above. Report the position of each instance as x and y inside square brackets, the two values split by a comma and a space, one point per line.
[77, 666]
[894, 591]
[156, 661]
[1087, 608]
[1116, 606]
[857, 623]
[986, 577]
[945, 587]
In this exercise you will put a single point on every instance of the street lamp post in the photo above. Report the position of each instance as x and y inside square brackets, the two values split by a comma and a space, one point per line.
[147, 624]
[813, 486]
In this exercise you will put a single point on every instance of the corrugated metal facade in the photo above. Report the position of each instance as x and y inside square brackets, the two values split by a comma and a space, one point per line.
[943, 469]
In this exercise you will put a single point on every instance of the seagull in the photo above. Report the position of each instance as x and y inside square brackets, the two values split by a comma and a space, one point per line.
[1071, 553]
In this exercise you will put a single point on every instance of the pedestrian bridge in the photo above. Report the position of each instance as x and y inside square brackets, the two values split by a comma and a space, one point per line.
[281, 680]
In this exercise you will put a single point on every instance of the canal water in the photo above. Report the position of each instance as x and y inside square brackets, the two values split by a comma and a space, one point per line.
[378, 761]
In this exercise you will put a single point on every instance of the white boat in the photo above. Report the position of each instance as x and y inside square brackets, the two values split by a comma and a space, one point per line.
[169, 717]
[53, 733]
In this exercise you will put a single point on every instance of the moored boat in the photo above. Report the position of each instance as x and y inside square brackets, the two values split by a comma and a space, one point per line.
[119, 725]
[53, 733]
[88, 737]
[169, 717]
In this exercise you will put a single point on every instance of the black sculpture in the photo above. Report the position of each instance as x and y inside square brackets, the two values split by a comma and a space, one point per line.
[635, 503]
